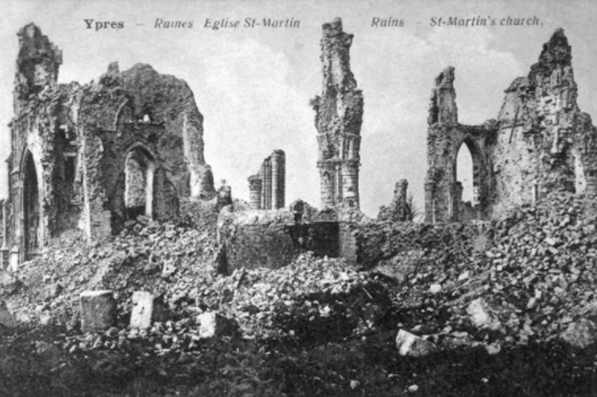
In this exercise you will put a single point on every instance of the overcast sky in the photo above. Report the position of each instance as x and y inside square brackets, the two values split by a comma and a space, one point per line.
[253, 85]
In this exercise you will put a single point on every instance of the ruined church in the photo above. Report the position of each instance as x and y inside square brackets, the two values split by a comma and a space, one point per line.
[93, 156]
[540, 142]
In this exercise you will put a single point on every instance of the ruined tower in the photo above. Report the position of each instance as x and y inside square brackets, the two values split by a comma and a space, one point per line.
[267, 189]
[540, 142]
[338, 119]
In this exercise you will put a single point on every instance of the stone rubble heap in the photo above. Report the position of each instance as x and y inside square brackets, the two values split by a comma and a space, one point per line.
[528, 276]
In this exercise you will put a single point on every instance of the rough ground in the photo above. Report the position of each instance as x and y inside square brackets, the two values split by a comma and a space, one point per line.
[509, 305]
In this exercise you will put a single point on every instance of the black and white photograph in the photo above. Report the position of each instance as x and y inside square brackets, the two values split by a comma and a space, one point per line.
[261, 198]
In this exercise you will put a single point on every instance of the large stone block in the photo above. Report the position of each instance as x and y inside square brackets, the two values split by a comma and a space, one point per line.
[98, 310]
[213, 324]
[482, 315]
[143, 305]
[411, 345]
[147, 309]
[6, 318]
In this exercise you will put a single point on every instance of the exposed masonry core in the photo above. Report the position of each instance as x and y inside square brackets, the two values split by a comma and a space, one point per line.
[93, 156]
[267, 189]
[540, 141]
[400, 209]
[339, 115]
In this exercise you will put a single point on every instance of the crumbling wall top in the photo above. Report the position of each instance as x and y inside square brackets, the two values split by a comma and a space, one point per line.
[556, 52]
[38, 62]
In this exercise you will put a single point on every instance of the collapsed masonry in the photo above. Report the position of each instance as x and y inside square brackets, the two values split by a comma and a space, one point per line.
[267, 189]
[400, 209]
[540, 142]
[93, 156]
[339, 115]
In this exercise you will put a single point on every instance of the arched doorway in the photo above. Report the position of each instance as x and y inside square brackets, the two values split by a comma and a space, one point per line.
[31, 209]
[139, 183]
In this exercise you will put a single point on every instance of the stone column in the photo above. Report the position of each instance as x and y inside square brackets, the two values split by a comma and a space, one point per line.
[274, 181]
[255, 185]
[328, 188]
[278, 184]
[350, 182]
[266, 177]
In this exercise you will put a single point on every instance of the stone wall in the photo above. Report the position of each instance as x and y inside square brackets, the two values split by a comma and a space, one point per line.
[339, 115]
[540, 142]
[272, 239]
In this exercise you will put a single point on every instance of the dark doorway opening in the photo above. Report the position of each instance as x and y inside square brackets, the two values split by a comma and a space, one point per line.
[31, 210]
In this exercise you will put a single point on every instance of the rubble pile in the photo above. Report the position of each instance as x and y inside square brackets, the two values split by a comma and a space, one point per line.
[163, 259]
[173, 265]
[529, 276]
[304, 300]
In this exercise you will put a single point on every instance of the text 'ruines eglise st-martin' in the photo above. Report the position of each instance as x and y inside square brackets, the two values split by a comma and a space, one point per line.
[294, 23]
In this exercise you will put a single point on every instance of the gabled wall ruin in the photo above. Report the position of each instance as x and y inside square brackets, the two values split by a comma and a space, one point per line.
[540, 141]
[339, 115]
[93, 156]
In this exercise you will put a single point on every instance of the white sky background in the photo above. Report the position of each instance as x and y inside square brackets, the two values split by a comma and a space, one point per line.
[253, 86]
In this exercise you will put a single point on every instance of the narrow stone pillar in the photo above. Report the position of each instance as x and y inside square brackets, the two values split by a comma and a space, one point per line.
[266, 177]
[278, 161]
[255, 185]
[535, 192]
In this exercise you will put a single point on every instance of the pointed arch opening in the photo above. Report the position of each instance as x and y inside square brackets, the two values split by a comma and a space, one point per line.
[139, 183]
[466, 196]
[31, 208]
[465, 173]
